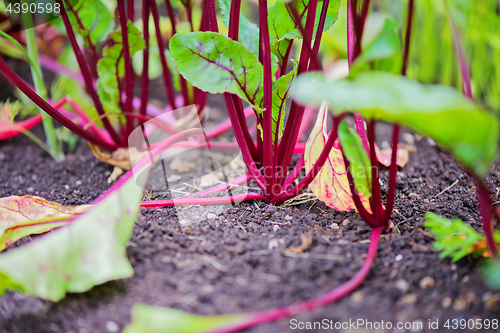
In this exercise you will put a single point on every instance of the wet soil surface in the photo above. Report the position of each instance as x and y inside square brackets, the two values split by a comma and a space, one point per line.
[235, 261]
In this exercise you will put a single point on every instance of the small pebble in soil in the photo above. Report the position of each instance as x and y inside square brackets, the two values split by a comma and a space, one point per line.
[409, 299]
[427, 282]
[111, 326]
[334, 226]
[460, 304]
[357, 297]
[346, 222]
[273, 243]
[414, 196]
[465, 279]
[402, 285]
[184, 223]
[446, 303]
[408, 138]
[399, 257]
[80, 322]
[276, 227]
[288, 218]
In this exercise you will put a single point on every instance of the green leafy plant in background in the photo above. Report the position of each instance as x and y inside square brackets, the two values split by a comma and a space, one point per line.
[455, 238]
[477, 24]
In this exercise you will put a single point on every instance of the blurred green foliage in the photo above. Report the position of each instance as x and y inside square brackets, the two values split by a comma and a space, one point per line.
[432, 53]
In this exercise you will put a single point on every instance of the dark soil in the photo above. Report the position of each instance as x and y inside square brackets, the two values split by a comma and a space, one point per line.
[235, 262]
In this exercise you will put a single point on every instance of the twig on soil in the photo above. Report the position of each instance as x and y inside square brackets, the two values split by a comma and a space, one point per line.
[214, 263]
[306, 242]
[298, 199]
[428, 234]
[446, 189]
[270, 277]
[238, 221]
[314, 256]
[196, 188]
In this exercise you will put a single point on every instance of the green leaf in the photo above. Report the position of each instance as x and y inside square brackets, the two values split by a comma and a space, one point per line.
[92, 20]
[454, 238]
[248, 31]
[283, 26]
[111, 66]
[281, 92]
[12, 234]
[491, 273]
[458, 125]
[153, 319]
[382, 53]
[279, 48]
[360, 166]
[215, 63]
[88, 252]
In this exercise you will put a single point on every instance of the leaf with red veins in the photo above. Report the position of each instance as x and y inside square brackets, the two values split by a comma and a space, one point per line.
[331, 184]
[29, 215]
[216, 64]
[16, 209]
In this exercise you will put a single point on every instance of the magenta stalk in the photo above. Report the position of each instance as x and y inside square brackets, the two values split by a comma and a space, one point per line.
[409, 25]
[226, 125]
[344, 289]
[18, 127]
[353, 52]
[319, 33]
[204, 201]
[145, 60]
[265, 55]
[375, 199]
[89, 84]
[315, 169]
[485, 208]
[294, 174]
[292, 127]
[393, 171]
[147, 159]
[169, 89]
[21, 85]
[129, 79]
[88, 122]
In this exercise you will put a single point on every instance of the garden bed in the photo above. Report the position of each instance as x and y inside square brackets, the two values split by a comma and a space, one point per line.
[236, 262]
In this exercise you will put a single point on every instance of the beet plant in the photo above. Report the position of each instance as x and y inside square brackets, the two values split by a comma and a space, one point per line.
[251, 66]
